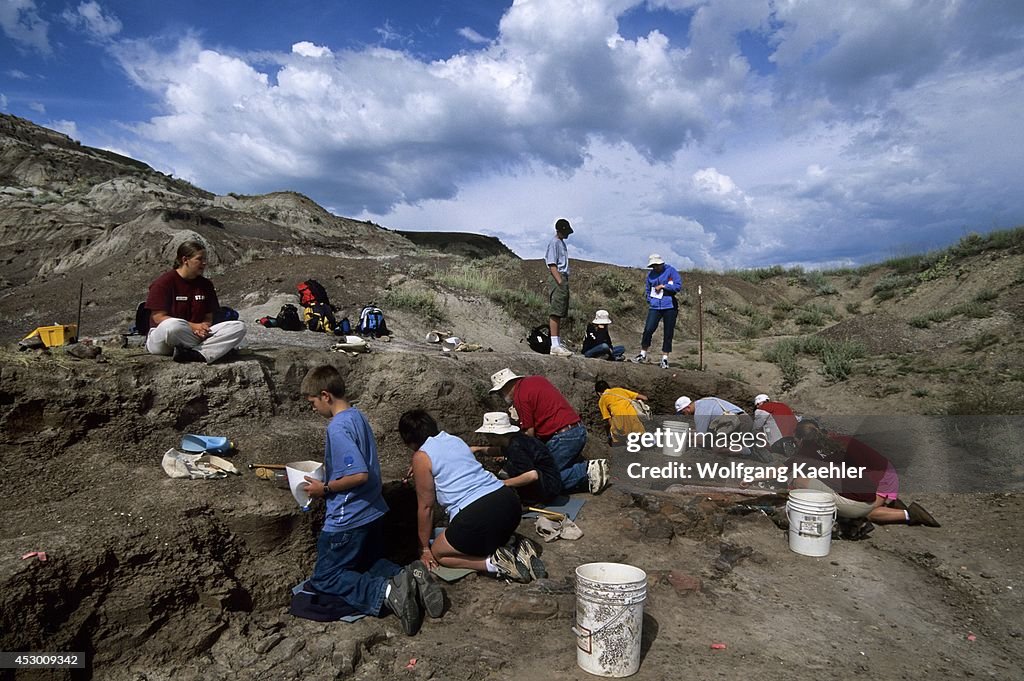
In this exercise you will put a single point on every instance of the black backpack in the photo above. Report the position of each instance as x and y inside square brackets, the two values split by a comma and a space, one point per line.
[371, 322]
[319, 317]
[288, 319]
[141, 325]
[540, 339]
[311, 291]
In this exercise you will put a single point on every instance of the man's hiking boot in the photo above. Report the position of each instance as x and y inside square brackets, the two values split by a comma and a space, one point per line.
[919, 516]
[560, 351]
[184, 355]
[597, 474]
[528, 553]
[509, 566]
[402, 601]
[639, 359]
[664, 363]
[430, 592]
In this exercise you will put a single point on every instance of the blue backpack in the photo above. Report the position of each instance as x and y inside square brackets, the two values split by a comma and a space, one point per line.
[371, 322]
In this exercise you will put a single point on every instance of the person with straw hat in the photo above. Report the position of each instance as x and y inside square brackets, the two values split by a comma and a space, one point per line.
[598, 342]
[662, 285]
[525, 460]
[545, 413]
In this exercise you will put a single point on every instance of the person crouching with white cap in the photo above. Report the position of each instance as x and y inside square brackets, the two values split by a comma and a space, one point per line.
[662, 285]
[777, 421]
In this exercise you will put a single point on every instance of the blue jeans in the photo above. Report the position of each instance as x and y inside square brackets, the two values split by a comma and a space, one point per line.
[653, 317]
[603, 349]
[566, 448]
[349, 565]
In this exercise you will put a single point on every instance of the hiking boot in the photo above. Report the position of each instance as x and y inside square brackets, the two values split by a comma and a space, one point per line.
[560, 351]
[184, 355]
[597, 473]
[639, 359]
[402, 601]
[919, 516]
[430, 592]
[528, 552]
[664, 363]
[509, 566]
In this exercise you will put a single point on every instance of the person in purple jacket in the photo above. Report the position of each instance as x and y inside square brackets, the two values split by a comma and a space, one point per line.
[662, 285]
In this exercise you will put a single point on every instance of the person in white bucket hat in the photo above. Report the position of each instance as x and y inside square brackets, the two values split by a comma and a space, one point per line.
[544, 413]
[525, 460]
[598, 342]
[661, 286]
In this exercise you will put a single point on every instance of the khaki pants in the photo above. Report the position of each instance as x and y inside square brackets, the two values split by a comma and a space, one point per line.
[173, 332]
[845, 508]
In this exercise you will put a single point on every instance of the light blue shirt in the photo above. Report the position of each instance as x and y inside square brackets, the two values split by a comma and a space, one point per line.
[459, 479]
[707, 408]
[351, 449]
[558, 255]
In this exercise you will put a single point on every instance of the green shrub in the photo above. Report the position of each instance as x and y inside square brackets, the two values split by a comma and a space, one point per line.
[415, 300]
[985, 295]
[808, 317]
[893, 283]
[853, 308]
[980, 342]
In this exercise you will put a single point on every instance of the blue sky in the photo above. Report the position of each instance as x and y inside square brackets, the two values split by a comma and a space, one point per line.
[720, 134]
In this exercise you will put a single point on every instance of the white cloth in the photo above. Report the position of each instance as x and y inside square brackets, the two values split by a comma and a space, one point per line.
[765, 422]
[172, 332]
[179, 464]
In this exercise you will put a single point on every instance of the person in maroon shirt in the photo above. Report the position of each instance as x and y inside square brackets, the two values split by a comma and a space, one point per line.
[873, 495]
[182, 303]
[544, 413]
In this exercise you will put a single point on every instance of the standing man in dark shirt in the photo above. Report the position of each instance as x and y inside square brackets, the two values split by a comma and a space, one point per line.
[526, 460]
[181, 303]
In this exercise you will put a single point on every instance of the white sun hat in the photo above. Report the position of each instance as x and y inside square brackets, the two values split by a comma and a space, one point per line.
[498, 423]
[682, 403]
[761, 398]
[499, 379]
[602, 317]
[655, 259]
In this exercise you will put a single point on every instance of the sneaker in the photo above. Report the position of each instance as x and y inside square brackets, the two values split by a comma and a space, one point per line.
[597, 472]
[639, 359]
[528, 552]
[430, 592]
[184, 355]
[561, 351]
[509, 566]
[919, 516]
[402, 601]
[664, 363]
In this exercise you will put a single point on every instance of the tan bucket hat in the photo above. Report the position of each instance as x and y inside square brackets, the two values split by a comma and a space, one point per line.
[499, 379]
[498, 423]
[602, 317]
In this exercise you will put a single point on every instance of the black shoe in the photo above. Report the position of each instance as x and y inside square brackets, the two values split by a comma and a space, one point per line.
[898, 504]
[430, 592]
[402, 601]
[184, 355]
[919, 516]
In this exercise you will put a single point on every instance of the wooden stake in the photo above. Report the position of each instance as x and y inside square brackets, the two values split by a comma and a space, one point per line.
[700, 326]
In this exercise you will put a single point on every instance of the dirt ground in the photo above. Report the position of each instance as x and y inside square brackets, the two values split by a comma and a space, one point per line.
[156, 578]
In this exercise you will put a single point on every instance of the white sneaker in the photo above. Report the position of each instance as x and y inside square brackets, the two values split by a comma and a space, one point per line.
[639, 359]
[560, 351]
[597, 472]
[664, 363]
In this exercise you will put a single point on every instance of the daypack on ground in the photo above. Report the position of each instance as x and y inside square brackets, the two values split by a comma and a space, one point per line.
[288, 318]
[371, 322]
[225, 314]
[540, 339]
[319, 317]
[141, 325]
[311, 291]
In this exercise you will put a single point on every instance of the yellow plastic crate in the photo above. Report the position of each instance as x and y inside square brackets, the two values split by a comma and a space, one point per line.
[59, 334]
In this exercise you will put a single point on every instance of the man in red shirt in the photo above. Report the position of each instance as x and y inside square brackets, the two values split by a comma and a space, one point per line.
[181, 303]
[544, 413]
[777, 421]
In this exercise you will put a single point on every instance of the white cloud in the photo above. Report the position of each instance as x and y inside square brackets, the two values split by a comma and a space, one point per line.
[472, 36]
[38, 107]
[91, 18]
[308, 49]
[21, 22]
[69, 128]
[867, 125]
[18, 75]
[3, 102]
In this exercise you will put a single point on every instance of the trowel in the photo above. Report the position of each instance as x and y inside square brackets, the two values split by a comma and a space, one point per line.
[206, 443]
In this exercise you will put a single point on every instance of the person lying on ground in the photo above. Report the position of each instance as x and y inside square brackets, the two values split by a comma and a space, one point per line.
[525, 460]
[350, 563]
[182, 303]
[483, 513]
[778, 422]
[873, 495]
[543, 412]
[598, 342]
[617, 410]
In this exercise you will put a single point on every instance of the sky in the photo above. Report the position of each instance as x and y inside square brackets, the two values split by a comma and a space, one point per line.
[719, 133]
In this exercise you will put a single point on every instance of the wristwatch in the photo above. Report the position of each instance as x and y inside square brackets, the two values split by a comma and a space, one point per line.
[327, 490]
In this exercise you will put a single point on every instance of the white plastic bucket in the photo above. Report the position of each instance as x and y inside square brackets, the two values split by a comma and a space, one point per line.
[675, 435]
[297, 472]
[811, 515]
[609, 618]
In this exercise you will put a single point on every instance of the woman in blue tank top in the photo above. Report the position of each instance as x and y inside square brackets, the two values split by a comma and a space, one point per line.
[483, 513]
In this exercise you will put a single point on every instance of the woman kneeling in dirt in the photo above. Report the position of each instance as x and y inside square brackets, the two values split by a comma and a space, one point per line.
[483, 513]
[874, 496]
[182, 303]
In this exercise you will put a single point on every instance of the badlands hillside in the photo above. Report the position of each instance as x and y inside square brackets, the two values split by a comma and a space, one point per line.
[155, 578]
